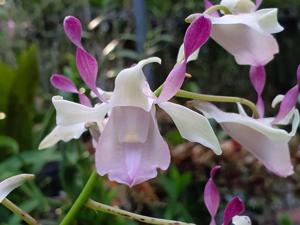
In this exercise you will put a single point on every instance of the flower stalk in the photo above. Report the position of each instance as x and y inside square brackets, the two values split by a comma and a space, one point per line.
[129, 215]
[214, 8]
[18, 211]
[217, 98]
[81, 200]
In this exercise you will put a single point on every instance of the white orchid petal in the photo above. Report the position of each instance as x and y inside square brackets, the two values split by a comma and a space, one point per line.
[69, 113]
[266, 143]
[192, 126]
[211, 111]
[11, 183]
[241, 220]
[245, 43]
[62, 133]
[192, 57]
[263, 21]
[267, 20]
[131, 87]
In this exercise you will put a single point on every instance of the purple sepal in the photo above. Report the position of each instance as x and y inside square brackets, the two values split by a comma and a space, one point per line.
[73, 29]
[289, 101]
[88, 68]
[258, 3]
[208, 4]
[258, 80]
[196, 35]
[84, 100]
[173, 82]
[212, 195]
[63, 83]
[233, 208]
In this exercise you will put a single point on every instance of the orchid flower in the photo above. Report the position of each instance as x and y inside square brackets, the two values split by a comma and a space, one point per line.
[11, 183]
[232, 209]
[267, 142]
[246, 33]
[130, 148]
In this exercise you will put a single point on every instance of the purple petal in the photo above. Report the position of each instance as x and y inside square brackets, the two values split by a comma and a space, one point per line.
[212, 195]
[233, 208]
[73, 29]
[88, 68]
[63, 83]
[288, 103]
[258, 80]
[173, 82]
[84, 100]
[258, 3]
[131, 152]
[196, 35]
[208, 4]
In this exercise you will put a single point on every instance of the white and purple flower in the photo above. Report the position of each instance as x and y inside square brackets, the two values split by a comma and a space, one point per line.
[130, 148]
[246, 33]
[262, 136]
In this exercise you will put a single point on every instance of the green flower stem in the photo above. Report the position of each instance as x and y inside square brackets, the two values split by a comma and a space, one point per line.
[132, 216]
[214, 8]
[16, 210]
[217, 98]
[81, 200]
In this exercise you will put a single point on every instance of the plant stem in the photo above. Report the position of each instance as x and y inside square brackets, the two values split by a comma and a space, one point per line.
[16, 210]
[81, 200]
[132, 216]
[216, 98]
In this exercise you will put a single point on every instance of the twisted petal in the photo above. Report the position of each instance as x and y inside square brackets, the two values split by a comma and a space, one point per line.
[241, 220]
[130, 149]
[131, 87]
[173, 82]
[258, 80]
[71, 119]
[11, 183]
[233, 208]
[212, 195]
[266, 143]
[192, 57]
[192, 126]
